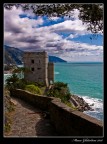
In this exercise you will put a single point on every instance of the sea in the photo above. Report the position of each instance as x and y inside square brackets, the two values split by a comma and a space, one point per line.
[84, 79]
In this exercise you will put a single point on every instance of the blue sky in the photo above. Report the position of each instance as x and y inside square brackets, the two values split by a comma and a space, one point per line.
[64, 37]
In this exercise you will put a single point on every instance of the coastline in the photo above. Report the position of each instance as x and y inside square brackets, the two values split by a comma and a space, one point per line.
[80, 103]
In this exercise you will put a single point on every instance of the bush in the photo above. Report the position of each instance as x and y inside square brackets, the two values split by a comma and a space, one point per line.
[11, 82]
[14, 82]
[20, 84]
[60, 90]
[39, 84]
[32, 88]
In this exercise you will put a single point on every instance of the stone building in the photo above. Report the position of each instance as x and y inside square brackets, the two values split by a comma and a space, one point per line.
[40, 69]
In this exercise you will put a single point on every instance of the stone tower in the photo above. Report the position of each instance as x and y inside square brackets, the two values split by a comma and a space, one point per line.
[40, 69]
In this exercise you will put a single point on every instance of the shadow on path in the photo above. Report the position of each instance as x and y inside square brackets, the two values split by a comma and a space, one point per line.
[44, 128]
[30, 121]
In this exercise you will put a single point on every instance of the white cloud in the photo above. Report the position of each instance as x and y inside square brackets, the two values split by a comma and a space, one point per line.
[54, 18]
[12, 21]
[73, 15]
[25, 33]
[69, 26]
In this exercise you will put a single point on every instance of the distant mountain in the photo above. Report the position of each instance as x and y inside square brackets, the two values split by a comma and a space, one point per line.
[55, 59]
[14, 56]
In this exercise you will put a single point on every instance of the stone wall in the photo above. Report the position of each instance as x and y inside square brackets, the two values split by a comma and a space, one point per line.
[68, 122]
[50, 72]
[38, 64]
[39, 101]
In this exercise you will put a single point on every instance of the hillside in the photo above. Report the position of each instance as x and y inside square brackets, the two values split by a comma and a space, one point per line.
[14, 56]
[55, 59]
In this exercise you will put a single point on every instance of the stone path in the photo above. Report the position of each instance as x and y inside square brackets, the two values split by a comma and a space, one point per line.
[28, 121]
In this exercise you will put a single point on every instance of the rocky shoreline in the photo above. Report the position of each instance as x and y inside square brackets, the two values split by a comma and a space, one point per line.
[80, 103]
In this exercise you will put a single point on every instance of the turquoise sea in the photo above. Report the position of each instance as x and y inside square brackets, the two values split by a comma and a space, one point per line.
[84, 80]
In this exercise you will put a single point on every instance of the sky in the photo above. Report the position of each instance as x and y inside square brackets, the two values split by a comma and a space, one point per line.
[66, 38]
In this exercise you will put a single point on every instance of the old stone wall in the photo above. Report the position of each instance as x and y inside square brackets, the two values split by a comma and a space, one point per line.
[36, 100]
[37, 62]
[68, 122]
[50, 72]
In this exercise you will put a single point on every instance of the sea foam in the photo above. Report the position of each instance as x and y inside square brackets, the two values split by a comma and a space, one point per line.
[97, 106]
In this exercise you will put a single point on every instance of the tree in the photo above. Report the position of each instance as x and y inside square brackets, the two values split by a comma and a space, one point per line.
[21, 70]
[11, 81]
[92, 14]
[59, 90]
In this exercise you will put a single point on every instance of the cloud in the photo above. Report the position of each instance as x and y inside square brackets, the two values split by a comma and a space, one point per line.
[15, 24]
[73, 15]
[54, 18]
[26, 34]
[69, 26]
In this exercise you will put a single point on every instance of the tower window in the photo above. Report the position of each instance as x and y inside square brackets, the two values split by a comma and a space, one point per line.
[38, 68]
[32, 69]
[32, 61]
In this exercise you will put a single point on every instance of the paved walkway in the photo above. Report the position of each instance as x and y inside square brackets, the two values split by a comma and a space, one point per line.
[28, 121]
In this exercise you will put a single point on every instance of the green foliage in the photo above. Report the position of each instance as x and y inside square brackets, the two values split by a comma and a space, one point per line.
[7, 123]
[8, 108]
[7, 127]
[14, 82]
[11, 107]
[20, 84]
[92, 14]
[11, 81]
[39, 84]
[70, 105]
[32, 88]
[60, 90]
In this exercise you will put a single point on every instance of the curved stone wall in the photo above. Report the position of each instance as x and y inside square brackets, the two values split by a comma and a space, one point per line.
[68, 122]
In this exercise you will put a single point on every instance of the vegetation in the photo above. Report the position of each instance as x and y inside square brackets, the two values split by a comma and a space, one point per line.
[92, 14]
[7, 125]
[15, 82]
[39, 84]
[8, 108]
[59, 90]
[32, 88]
[11, 82]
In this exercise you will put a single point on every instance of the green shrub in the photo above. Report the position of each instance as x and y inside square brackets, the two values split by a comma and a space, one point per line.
[7, 123]
[14, 82]
[39, 84]
[70, 105]
[20, 84]
[32, 88]
[60, 90]
[11, 82]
